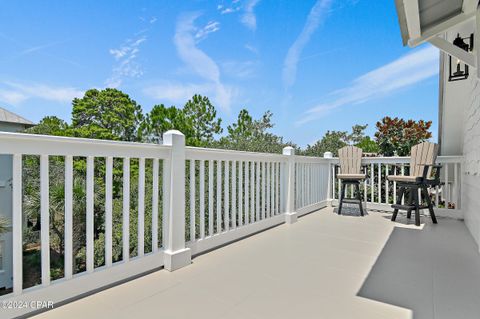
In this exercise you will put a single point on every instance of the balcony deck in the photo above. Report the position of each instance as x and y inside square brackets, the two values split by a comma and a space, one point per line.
[324, 266]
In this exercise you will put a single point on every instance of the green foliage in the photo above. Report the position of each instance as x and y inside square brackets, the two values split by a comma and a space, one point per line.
[161, 119]
[4, 225]
[332, 141]
[368, 145]
[252, 135]
[202, 116]
[106, 114]
[49, 125]
[397, 136]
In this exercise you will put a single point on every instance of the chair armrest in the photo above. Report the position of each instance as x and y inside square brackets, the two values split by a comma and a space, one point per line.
[437, 168]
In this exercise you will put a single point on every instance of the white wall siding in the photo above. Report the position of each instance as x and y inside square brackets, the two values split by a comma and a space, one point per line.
[471, 152]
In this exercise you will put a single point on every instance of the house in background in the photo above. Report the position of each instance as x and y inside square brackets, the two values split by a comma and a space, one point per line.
[9, 122]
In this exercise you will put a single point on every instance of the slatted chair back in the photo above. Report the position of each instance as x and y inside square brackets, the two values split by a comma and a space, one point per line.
[350, 159]
[420, 155]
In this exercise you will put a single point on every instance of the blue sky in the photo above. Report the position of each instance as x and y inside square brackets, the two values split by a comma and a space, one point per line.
[317, 65]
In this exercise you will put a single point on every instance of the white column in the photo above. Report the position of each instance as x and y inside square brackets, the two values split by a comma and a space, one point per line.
[290, 214]
[176, 254]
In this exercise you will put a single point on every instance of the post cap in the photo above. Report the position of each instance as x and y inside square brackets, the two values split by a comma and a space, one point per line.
[327, 155]
[173, 137]
[288, 150]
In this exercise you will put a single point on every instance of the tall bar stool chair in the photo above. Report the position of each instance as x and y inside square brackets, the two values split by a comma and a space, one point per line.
[350, 158]
[424, 173]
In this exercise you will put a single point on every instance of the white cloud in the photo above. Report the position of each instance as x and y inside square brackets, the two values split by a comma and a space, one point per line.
[197, 60]
[210, 27]
[12, 97]
[176, 92]
[251, 48]
[240, 69]
[249, 19]
[228, 10]
[126, 65]
[401, 73]
[16, 92]
[315, 18]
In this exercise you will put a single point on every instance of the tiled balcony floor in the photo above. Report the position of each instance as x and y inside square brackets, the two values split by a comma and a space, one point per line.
[324, 266]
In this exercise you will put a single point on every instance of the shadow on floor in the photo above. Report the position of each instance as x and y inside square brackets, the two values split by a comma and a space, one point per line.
[434, 271]
[351, 210]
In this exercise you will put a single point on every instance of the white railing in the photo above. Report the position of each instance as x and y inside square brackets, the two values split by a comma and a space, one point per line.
[153, 206]
[311, 182]
[379, 193]
[231, 195]
[97, 160]
[144, 206]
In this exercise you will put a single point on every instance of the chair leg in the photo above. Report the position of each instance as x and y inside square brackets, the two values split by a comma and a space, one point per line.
[417, 206]
[429, 203]
[401, 191]
[410, 202]
[359, 197]
[342, 196]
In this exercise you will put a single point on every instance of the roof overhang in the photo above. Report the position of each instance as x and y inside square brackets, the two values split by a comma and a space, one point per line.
[428, 20]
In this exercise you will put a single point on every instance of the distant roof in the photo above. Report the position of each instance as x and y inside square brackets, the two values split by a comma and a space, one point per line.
[9, 117]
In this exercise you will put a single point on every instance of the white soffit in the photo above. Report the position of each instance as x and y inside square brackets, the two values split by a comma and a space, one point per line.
[427, 21]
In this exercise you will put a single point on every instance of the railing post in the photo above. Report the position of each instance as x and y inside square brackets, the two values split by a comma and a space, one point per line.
[176, 254]
[290, 214]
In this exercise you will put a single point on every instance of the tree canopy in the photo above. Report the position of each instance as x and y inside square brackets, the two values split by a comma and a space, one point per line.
[397, 136]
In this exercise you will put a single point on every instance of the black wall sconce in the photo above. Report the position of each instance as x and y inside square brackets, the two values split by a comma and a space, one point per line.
[460, 70]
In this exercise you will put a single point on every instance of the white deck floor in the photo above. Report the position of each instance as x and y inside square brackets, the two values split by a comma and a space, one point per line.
[324, 266]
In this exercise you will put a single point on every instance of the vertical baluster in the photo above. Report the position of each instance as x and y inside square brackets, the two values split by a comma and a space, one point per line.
[234, 194]
[240, 193]
[202, 199]
[68, 266]
[365, 186]
[456, 186]
[90, 203]
[210, 198]
[257, 194]
[219, 196]
[226, 193]
[126, 209]
[395, 184]
[192, 200]
[279, 197]
[141, 208]
[379, 183]
[387, 190]
[17, 224]
[372, 183]
[252, 192]
[333, 181]
[403, 173]
[108, 210]
[271, 188]
[247, 193]
[155, 170]
[45, 220]
[447, 186]
[264, 187]
[339, 182]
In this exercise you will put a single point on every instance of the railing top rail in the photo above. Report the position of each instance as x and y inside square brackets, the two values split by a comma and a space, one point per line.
[198, 153]
[312, 159]
[32, 144]
[405, 159]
